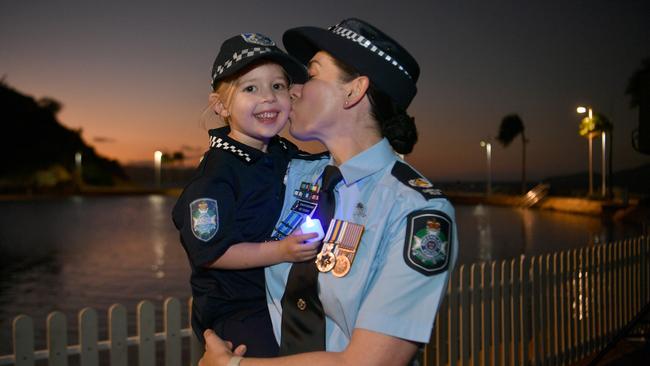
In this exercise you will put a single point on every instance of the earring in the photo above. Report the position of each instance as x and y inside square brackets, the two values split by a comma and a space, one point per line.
[346, 102]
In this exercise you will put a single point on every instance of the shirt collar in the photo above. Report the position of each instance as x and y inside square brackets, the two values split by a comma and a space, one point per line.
[377, 157]
[219, 139]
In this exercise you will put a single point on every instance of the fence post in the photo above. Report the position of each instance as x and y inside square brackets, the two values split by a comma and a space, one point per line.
[515, 314]
[475, 316]
[172, 332]
[580, 299]
[118, 335]
[23, 340]
[486, 324]
[440, 356]
[88, 337]
[564, 308]
[524, 309]
[505, 314]
[465, 328]
[196, 350]
[146, 332]
[495, 353]
[453, 317]
[57, 339]
[589, 300]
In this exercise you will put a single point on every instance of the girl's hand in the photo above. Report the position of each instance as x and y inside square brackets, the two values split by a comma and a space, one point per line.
[294, 249]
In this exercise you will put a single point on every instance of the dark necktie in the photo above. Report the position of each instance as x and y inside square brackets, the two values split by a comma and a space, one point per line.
[303, 319]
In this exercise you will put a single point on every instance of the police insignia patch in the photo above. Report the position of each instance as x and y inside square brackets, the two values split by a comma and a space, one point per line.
[258, 39]
[205, 218]
[428, 241]
[419, 182]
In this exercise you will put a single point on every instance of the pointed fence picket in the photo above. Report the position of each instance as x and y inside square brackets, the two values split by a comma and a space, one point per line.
[552, 309]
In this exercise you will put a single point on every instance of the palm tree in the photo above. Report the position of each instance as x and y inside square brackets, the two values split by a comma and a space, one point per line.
[638, 88]
[511, 127]
[635, 82]
[598, 124]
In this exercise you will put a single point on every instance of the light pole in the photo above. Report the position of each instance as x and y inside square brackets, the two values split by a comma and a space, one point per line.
[157, 158]
[589, 129]
[77, 165]
[488, 153]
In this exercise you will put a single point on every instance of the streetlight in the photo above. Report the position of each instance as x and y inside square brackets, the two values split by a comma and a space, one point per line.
[157, 158]
[77, 165]
[488, 152]
[588, 128]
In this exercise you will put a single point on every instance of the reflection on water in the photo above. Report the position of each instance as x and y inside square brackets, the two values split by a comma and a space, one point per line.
[484, 233]
[492, 233]
[66, 254]
[156, 204]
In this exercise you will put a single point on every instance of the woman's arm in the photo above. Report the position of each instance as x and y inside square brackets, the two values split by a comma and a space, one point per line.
[365, 348]
[252, 255]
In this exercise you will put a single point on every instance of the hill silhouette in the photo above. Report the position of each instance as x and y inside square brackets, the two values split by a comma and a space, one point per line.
[38, 152]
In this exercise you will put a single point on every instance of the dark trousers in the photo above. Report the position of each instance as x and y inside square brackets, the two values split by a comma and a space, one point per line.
[254, 330]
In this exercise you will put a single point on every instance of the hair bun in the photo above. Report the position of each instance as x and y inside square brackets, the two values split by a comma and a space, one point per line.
[401, 132]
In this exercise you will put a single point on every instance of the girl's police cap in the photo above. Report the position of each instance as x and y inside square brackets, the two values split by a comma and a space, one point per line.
[364, 47]
[246, 48]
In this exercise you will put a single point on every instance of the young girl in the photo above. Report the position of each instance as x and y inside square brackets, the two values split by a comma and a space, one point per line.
[228, 211]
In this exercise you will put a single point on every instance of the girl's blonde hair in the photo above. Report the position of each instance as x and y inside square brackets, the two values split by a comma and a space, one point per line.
[225, 90]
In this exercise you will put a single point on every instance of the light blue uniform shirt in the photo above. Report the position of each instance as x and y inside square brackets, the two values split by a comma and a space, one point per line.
[381, 292]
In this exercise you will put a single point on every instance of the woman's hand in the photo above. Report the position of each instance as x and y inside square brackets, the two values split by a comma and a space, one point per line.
[217, 351]
[294, 249]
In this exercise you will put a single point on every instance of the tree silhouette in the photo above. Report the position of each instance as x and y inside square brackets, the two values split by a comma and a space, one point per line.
[511, 127]
[50, 104]
[634, 84]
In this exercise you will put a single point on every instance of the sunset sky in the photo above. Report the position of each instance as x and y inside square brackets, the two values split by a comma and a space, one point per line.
[134, 75]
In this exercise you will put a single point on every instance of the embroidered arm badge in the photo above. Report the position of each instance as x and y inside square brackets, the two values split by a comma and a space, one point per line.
[205, 218]
[427, 247]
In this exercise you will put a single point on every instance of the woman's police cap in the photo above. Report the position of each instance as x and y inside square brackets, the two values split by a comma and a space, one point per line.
[244, 49]
[364, 47]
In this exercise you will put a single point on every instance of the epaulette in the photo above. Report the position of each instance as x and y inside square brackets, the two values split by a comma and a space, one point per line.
[411, 178]
[303, 155]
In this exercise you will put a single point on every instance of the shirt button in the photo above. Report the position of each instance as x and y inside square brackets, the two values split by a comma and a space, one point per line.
[302, 305]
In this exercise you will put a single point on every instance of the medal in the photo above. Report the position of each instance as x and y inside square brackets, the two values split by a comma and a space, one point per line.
[339, 248]
[342, 266]
[325, 260]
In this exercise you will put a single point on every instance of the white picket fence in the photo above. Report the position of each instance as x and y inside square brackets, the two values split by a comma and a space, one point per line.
[553, 309]
[58, 350]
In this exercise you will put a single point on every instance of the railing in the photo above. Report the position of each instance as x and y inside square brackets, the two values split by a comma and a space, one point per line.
[58, 350]
[552, 309]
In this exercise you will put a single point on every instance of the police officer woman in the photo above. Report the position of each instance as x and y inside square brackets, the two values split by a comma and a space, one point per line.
[371, 296]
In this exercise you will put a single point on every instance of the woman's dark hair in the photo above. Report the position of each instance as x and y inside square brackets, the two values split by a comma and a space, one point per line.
[395, 124]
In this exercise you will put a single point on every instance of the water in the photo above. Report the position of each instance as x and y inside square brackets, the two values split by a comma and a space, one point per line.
[69, 253]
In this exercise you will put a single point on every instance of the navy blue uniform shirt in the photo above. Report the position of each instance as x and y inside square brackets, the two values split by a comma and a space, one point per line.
[236, 196]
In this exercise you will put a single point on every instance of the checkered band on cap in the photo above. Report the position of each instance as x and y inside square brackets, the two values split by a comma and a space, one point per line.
[364, 42]
[219, 143]
[238, 56]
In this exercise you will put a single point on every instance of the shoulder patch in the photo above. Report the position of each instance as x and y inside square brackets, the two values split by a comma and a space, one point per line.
[205, 218]
[302, 155]
[407, 175]
[427, 246]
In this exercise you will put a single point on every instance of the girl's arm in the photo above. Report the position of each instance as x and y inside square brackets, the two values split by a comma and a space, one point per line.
[252, 255]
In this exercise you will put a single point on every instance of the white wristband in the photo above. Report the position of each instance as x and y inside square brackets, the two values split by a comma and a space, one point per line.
[235, 360]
